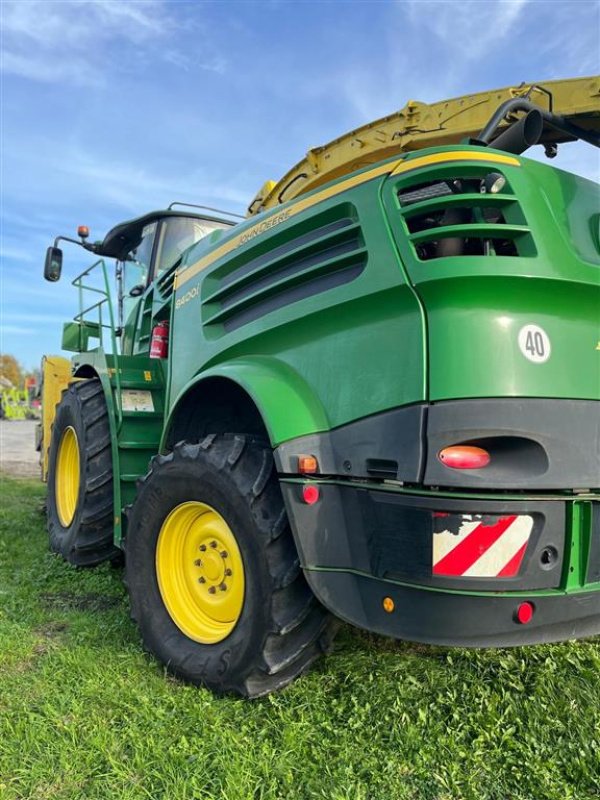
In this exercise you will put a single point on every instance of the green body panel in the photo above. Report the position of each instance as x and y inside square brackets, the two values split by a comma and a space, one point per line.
[476, 305]
[285, 401]
[76, 335]
[361, 348]
[331, 358]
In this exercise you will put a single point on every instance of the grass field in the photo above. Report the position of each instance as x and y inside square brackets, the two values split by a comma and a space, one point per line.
[84, 713]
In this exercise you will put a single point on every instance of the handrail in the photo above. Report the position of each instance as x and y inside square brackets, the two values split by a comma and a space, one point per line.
[82, 287]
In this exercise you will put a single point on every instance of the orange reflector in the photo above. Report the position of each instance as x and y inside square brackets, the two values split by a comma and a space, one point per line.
[525, 613]
[388, 604]
[310, 494]
[83, 231]
[307, 465]
[462, 456]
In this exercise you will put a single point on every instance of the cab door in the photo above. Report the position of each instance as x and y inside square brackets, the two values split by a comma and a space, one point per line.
[137, 293]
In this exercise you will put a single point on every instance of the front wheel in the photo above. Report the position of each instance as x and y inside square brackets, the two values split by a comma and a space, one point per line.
[213, 574]
[80, 478]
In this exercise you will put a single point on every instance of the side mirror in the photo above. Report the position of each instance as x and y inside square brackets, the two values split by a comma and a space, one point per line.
[53, 264]
[136, 291]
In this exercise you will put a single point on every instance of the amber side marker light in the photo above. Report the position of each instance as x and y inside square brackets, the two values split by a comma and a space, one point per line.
[462, 456]
[388, 604]
[307, 465]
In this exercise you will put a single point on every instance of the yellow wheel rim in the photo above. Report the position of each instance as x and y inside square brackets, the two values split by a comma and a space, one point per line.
[200, 572]
[66, 481]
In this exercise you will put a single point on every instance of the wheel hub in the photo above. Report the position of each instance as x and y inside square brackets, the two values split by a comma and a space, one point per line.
[200, 572]
[67, 480]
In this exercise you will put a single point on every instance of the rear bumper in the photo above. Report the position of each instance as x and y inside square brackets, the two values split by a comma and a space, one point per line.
[454, 619]
[359, 544]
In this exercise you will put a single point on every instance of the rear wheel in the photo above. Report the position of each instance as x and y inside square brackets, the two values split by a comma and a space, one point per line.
[80, 481]
[213, 574]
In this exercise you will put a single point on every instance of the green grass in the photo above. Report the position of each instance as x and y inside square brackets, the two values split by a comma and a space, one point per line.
[84, 713]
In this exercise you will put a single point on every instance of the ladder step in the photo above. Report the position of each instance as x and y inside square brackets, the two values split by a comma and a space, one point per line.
[153, 448]
[149, 385]
[143, 414]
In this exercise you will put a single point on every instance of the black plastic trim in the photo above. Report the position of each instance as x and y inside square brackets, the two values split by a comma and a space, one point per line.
[593, 570]
[542, 443]
[386, 445]
[390, 535]
[454, 619]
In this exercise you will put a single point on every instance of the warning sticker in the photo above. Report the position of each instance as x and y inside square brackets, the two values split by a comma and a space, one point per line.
[136, 400]
[473, 546]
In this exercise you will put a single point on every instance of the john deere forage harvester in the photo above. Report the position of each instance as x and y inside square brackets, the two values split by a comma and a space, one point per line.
[376, 398]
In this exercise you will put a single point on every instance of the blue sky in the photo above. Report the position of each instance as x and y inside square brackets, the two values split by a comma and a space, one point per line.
[112, 109]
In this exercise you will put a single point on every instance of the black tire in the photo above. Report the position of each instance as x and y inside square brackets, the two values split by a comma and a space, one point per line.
[282, 628]
[88, 539]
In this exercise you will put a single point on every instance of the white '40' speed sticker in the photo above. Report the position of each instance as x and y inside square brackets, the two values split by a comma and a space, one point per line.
[534, 343]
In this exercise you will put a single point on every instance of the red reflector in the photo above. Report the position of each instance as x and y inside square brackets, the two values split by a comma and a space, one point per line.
[525, 613]
[310, 494]
[462, 456]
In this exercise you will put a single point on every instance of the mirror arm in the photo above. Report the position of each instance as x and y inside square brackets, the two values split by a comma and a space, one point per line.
[93, 248]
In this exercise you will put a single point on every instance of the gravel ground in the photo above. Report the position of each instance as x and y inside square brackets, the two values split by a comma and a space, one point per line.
[18, 455]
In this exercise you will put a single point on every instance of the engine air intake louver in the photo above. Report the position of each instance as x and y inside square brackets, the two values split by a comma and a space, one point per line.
[464, 215]
[291, 269]
[165, 283]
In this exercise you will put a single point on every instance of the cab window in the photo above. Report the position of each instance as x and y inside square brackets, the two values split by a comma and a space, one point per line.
[137, 267]
[179, 233]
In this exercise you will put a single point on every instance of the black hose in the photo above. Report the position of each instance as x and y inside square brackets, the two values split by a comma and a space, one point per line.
[555, 121]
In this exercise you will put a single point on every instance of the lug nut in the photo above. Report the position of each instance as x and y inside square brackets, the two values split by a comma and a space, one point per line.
[203, 547]
[211, 590]
[201, 580]
[223, 554]
[223, 586]
[213, 544]
[198, 562]
[228, 571]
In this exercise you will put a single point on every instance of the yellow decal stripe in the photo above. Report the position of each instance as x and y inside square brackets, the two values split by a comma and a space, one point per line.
[276, 218]
[395, 168]
[457, 155]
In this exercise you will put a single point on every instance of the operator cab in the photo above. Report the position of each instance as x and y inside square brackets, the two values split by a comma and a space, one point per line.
[149, 249]
[152, 245]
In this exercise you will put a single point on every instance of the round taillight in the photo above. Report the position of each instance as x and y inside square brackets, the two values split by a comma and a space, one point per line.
[310, 494]
[463, 456]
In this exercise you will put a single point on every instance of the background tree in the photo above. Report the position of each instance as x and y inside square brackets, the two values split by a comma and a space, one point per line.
[11, 370]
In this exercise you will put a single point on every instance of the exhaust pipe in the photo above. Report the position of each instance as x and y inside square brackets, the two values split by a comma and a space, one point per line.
[521, 135]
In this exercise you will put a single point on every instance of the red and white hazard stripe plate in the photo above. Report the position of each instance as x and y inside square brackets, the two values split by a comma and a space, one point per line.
[476, 546]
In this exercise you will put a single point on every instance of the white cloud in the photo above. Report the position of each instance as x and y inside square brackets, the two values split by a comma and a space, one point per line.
[47, 70]
[86, 42]
[17, 317]
[17, 329]
[124, 183]
[468, 27]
